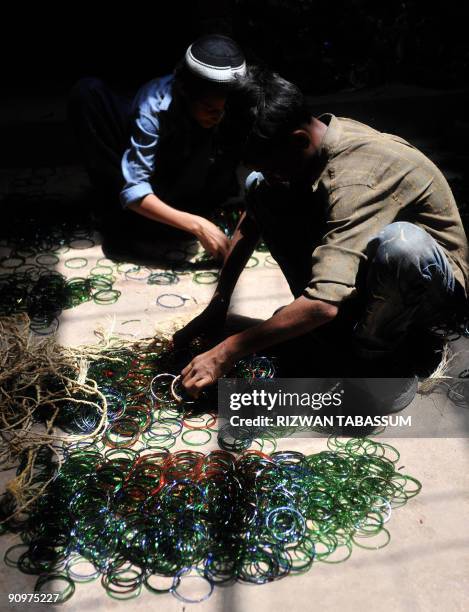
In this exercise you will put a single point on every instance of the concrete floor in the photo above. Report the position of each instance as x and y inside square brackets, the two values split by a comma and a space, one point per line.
[424, 567]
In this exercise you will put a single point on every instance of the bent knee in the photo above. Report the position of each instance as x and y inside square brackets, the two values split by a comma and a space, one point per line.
[401, 240]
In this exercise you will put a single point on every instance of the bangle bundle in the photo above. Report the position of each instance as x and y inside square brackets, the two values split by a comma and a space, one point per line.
[43, 293]
[123, 508]
[136, 517]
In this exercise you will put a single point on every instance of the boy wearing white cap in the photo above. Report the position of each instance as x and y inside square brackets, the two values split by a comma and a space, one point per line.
[160, 155]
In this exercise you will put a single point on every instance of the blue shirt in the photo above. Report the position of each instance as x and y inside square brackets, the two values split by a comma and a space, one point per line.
[169, 155]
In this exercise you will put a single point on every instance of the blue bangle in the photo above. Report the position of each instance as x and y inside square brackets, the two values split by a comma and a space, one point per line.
[182, 299]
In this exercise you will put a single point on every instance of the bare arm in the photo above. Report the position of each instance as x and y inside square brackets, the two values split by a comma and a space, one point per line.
[138, 166]
[298, 318]
[155, 209]
[211, 237]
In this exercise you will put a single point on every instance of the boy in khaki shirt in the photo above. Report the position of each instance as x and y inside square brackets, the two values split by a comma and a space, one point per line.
[359, 221]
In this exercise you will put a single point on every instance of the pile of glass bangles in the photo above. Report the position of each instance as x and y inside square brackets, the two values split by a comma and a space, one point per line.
[128, 511]
[161, 521]
[125, 510]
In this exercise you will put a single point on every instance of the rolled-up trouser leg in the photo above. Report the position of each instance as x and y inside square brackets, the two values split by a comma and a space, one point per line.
[409, 282]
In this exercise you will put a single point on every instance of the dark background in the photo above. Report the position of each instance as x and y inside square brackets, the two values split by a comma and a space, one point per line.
[401, 66]
[323, 46]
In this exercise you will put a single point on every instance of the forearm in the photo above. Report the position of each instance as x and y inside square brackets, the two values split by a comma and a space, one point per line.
[298, 318]
[243, 243]
[155, 209]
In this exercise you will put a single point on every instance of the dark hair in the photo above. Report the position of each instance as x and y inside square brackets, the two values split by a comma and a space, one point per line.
[263, 112]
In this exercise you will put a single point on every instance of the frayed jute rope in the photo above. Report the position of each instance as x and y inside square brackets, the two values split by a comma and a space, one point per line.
[27, 365]
[441, 373]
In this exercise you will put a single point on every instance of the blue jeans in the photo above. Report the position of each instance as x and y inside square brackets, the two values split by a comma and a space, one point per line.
[409, 281]
[406, 282]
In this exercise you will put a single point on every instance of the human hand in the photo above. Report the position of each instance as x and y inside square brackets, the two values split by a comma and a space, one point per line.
[206, 368]
[212, 238]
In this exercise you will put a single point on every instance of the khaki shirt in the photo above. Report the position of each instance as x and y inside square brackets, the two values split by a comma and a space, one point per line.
[369, 180]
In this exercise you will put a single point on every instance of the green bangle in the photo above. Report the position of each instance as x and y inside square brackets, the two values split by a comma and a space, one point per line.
[65, 594]
[154, 589]
[16, 259]
[252, 259]
[195, 432]
[61, 250]
[270, 262]
[76, 262]
[105, 261]
[162, 278]
[124, 267]
[347, 555]
[7, 556]
[382, 530]
[25, 252]
[106, 296]
[101, 282]
[101, 271]
[123, 439]
[206, 277]
[138, 273]
[77, 577]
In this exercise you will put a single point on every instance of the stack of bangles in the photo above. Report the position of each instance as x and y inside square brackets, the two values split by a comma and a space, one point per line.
[127, 509]
[160, 521]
